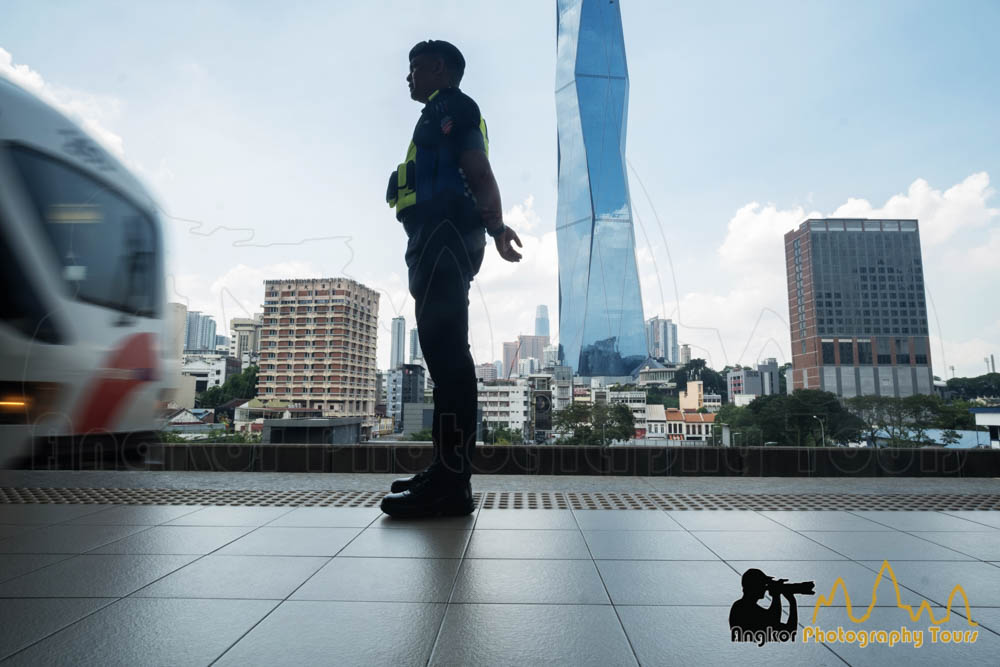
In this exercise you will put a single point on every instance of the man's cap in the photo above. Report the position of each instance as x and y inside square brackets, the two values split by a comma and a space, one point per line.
[754, 578]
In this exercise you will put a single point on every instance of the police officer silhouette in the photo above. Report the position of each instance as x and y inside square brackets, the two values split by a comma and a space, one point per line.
[445, 195]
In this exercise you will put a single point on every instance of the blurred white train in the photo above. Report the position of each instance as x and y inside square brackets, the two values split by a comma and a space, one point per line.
[84, 358]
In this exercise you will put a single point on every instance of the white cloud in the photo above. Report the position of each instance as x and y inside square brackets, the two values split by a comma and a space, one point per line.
[751, 286]
[92, 112]
[238, 292]
[965, 205]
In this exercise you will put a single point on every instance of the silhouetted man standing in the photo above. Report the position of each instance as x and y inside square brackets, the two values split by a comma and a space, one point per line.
[445, 195]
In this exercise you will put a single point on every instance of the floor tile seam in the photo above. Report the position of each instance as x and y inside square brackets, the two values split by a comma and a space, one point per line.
[919, 537]
[286, 598]
[607, 592]
[96, 511]
[854, 512]
[77, 521]
[454, 581]
[111, 601]
[950, 513]
[37, 569]
[195, 560]
[924, 539]
[824, 546]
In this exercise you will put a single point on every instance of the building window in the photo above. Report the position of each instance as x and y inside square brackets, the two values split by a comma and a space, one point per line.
[828, 358]
[846, 353]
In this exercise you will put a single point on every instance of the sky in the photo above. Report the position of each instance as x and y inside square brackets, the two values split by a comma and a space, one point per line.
[267, 133]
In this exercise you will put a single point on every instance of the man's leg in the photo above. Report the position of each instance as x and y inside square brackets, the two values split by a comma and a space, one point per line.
[444, 269]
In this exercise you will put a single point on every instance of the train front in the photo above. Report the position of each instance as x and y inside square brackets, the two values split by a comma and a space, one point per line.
[85, 360]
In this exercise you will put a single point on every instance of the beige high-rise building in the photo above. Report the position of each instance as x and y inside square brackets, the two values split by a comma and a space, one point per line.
[317, 345]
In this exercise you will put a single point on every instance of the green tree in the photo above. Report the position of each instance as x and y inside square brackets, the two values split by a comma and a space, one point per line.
[241, 385]
[921, 412]
[983, 386]
[950, 437]
[422, 436]
[623, 422]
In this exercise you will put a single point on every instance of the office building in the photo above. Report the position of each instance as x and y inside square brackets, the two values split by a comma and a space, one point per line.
[244, 343]
[199, 333]
[486, 372]
[532, 347]
[857, 309]
[397, 337]
[661, 336]
[551, 353]
[601, 325]
[403, 385]
[542, 321]
[317, 345]
[748, 382]
[415, 352]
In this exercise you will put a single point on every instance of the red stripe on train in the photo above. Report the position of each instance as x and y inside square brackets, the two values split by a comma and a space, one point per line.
[106, 396]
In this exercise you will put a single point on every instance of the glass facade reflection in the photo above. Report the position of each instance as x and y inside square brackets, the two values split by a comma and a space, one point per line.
[601, 325]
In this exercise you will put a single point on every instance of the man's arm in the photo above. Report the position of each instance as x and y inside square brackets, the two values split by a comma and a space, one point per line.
[479, 176]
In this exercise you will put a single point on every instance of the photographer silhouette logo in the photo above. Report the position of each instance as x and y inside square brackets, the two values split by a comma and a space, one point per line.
[749, 622]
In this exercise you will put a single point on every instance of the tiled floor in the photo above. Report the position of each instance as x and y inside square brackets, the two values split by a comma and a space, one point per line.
[180, 585]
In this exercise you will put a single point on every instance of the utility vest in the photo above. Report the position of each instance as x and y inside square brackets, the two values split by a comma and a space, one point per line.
[431, 180]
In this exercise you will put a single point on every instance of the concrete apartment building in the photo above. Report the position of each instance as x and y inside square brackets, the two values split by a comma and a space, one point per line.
[857, 308]
[506, 403]
[318, 345]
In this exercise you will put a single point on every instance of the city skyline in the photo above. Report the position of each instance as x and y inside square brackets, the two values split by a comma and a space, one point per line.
[733, 151]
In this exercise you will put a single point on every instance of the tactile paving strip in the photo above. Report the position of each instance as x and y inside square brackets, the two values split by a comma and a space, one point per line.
[515, 499]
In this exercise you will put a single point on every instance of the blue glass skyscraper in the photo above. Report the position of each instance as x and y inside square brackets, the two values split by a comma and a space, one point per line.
[601, 325]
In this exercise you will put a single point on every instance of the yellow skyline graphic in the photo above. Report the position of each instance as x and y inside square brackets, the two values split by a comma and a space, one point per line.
[827, 600]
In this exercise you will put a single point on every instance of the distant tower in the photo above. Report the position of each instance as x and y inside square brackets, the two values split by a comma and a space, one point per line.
[601, 329]
[685, 354]
[661, 336]
[415, 352]
[398, 333]
[542, 321]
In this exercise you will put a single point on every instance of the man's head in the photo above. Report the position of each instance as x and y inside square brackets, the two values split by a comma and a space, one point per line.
[434, 64]
[755, 583]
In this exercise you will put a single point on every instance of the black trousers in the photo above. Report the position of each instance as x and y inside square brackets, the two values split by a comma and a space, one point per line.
[442, 258]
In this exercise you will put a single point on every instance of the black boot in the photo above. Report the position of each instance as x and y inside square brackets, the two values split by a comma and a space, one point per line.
[431, 496]
[404, 483]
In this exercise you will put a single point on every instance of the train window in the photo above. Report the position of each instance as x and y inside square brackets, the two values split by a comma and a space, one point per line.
[107, 247]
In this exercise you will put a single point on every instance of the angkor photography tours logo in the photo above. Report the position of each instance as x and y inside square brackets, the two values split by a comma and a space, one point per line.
[916, 636]
[749, 622]
[844, 624]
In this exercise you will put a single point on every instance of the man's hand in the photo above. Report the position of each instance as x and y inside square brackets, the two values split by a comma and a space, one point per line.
[505, 247]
